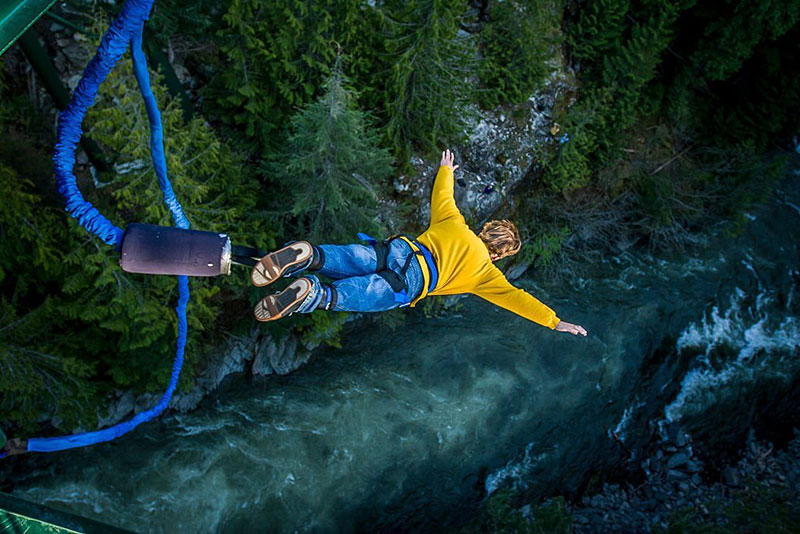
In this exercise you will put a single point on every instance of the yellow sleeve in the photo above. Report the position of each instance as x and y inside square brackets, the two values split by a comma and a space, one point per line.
[443, 204]
[497, 290]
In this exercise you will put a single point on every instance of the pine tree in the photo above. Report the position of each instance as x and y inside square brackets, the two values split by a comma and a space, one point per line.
[728, 40]
[278, 52]
[516, 43]
[36, 374]
[427, 84]
[335, 166]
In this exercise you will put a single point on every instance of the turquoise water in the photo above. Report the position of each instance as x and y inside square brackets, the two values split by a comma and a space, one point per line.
[410, 428]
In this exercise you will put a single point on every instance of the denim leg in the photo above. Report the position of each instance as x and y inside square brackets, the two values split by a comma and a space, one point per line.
[372, 293]
[344, 261]
[367, 292]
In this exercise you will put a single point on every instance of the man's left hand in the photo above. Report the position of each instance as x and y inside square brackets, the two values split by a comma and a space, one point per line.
[447, 159]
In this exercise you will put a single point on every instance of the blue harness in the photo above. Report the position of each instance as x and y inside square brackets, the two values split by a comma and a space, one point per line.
[397, 281]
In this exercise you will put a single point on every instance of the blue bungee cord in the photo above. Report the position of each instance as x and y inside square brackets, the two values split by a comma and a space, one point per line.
[126, 30]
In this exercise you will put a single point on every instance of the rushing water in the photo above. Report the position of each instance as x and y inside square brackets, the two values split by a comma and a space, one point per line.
[410, 428]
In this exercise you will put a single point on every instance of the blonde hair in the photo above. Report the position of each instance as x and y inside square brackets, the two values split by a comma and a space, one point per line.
[501, 238]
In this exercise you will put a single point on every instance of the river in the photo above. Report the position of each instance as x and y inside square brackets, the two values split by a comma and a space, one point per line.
[409, 429]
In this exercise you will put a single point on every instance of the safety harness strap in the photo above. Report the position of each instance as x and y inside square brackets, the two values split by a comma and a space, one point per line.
[397, 281]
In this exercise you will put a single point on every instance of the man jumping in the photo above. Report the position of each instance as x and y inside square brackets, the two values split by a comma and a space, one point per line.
[447, 259]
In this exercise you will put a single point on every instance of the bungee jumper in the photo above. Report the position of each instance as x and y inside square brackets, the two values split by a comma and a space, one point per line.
[447, 259]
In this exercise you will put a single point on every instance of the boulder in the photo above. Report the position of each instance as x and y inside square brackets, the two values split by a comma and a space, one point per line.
[692, 467]
[282, 356]
[731, 477]
[500, 151]
[675, 435]
[677, 460]
[676, 475]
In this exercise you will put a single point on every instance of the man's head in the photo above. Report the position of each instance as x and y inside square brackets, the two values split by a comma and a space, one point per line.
[501, 238]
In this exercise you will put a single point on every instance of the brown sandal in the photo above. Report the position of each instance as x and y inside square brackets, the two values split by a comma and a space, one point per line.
[285, 303]
[275, 264]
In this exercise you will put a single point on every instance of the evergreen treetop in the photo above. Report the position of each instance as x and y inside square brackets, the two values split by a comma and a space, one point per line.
[334, 164]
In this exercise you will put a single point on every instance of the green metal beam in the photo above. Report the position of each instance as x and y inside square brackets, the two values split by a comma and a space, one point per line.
[41, 63]
[16, 16]
[18, 515]
[174, 85]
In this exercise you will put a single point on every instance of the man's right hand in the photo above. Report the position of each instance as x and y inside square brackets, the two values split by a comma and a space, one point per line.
[447, 159]
[570, 328]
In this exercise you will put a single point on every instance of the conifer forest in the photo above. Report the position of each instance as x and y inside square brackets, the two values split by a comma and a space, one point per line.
[308, 119]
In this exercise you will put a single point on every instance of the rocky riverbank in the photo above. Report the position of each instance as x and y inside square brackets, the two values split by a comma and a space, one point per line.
[678, 490]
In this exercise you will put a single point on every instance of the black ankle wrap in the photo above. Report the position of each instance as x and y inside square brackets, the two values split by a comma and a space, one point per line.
[318, 260]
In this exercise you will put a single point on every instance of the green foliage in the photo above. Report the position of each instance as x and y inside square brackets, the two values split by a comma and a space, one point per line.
[436, 306]
[192, 19]
[543, 248]
[322, 327]
[516, 44]
[756, 109]
[682, 58]
[427, 82]
[714, 78]
[728, 40]
[500, 515]
[36, 375]
[335, 165]
[277, 55]
[620, 44]
[759, 510]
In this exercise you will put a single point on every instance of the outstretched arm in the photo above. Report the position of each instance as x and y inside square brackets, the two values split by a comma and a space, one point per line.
[443, 204]
[497, 290]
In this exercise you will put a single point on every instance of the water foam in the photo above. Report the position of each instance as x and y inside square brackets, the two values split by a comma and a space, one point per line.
[748, 354]
[515, 471]
[627, 416]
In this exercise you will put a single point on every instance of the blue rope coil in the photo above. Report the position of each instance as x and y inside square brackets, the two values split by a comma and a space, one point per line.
[124, 31]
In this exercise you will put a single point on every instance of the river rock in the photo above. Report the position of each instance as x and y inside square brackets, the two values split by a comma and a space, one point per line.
[117, 410]
[731, 478]
[677, 475]
[282, 356]
[230, 361]
[675, 434]
[692, 467]
[677, 460]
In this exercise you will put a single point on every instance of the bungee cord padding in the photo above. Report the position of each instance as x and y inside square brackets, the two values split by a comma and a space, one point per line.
[125, 30]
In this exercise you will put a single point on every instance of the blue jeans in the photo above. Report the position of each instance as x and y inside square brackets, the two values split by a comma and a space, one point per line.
[358, 288]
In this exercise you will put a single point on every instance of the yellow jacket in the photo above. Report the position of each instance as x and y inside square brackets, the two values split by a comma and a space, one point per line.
[463, 261]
